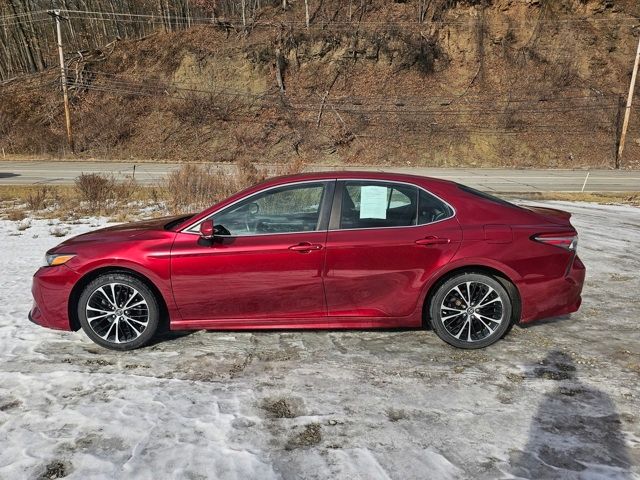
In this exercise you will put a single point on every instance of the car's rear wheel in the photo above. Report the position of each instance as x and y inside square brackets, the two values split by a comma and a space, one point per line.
[471, 310]
[118, 311]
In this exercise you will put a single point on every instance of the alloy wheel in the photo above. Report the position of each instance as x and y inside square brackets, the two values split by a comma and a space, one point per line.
[472, 311]
[117, 313]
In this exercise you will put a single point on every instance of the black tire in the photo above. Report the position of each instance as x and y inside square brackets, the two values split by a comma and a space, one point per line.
[470, 325]
[129, 332]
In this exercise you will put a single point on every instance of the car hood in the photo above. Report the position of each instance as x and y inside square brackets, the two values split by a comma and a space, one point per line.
[126, 231]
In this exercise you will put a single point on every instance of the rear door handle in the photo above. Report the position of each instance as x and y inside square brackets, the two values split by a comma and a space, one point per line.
[433, 241]
[305, 247]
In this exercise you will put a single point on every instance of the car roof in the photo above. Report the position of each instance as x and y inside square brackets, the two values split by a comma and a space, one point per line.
[358, 175]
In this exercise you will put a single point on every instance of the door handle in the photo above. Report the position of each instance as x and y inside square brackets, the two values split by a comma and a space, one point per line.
[305, 247]
[432, 240]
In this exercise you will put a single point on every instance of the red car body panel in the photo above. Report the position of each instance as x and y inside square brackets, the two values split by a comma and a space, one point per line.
[376, 277]
[382, 272]
[252, 278]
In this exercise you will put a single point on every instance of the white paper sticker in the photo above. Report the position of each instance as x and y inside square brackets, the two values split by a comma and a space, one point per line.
[373, 202]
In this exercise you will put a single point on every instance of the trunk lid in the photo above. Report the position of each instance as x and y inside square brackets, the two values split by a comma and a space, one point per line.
[553, 215]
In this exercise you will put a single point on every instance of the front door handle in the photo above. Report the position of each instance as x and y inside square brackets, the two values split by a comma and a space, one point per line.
[432, 240]
[305, 247]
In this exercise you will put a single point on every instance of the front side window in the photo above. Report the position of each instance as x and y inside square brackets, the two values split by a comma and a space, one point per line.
[287, 209]
[378, 205]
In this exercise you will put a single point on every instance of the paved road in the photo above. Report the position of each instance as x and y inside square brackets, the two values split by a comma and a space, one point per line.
[488, 179]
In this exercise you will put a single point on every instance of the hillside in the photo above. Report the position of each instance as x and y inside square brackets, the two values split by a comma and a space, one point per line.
[501, 83]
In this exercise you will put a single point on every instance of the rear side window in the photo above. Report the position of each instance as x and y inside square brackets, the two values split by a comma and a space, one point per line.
[384, 204]
[432, 209]
[378, 205]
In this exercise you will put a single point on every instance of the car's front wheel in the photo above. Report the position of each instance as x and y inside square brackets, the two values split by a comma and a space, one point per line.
[118, 311]
[471, 310]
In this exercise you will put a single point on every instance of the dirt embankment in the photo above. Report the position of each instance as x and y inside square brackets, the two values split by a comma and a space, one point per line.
[502, 83]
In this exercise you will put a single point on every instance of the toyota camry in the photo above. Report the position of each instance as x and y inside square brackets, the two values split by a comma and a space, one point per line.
[319, 250]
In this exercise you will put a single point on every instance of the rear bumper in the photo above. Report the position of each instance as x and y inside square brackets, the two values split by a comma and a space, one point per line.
[551, 298]
[51, 288]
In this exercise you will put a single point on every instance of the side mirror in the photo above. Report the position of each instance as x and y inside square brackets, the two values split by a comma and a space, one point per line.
[207, 230]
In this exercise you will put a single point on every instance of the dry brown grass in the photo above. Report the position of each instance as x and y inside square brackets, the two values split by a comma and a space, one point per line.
[16, 215]
[626, 198]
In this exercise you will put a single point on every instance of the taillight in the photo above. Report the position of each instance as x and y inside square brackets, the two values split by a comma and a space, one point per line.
[568, 240]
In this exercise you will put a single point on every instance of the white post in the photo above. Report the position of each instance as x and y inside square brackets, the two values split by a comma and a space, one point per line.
[585, 182]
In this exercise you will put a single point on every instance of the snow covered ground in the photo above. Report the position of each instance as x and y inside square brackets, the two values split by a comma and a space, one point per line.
[556, 400]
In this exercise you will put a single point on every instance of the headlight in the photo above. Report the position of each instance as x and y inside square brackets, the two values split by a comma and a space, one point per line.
[55, 259]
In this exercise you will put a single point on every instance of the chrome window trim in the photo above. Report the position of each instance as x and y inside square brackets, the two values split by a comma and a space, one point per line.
[190, 229]
[345, 180]
[194, 228]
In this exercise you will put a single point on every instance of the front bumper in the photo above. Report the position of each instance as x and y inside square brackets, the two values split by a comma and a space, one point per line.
[51, 289]
[555, 297]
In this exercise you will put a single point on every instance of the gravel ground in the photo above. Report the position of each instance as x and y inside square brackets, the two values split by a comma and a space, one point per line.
[559, 399]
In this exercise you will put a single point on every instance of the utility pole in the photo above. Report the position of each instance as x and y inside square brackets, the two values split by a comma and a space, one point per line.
[627, 113]
[63, 77]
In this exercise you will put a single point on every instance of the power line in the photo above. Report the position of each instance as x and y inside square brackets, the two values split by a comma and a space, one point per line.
[351, 23]
[24, 14]
[129, 89]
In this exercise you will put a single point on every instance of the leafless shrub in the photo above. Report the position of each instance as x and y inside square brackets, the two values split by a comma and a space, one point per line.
[103, 193]
[37, 199]
[124, 191]
[94, 188]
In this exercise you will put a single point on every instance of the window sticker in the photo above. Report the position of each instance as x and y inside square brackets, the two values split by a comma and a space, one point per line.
[373, 202]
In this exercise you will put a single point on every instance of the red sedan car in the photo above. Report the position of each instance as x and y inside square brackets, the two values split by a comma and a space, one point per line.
[319, 250]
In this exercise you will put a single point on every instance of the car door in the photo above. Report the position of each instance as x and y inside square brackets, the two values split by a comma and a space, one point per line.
[384, 240]
[264, 264]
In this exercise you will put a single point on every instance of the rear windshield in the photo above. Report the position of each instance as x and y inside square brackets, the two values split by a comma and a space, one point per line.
[487, 196]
